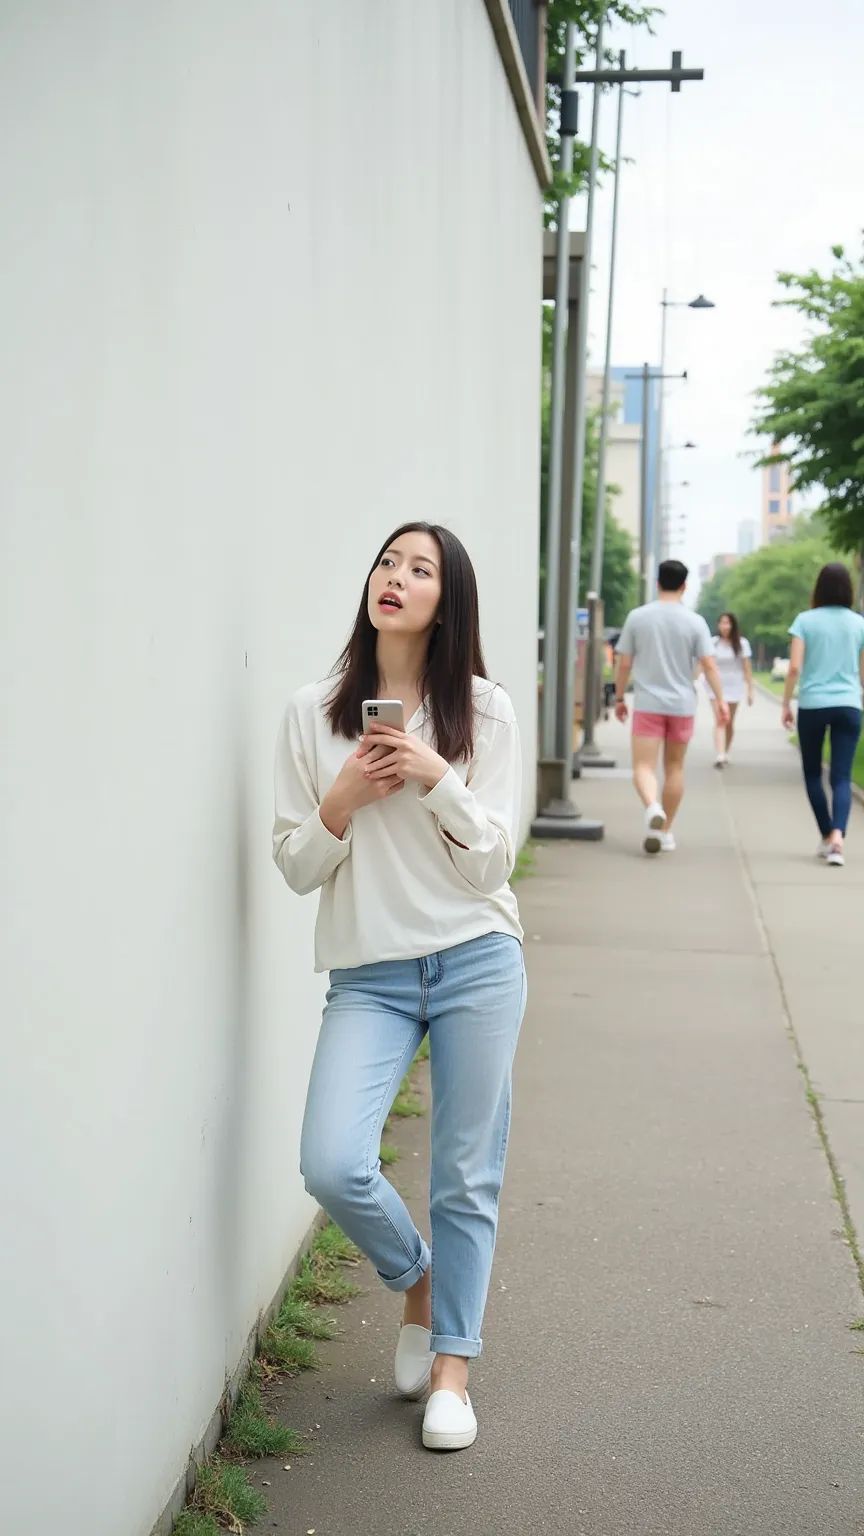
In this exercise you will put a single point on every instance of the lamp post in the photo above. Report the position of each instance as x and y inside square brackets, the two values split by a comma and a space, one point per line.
[700, 302]
[663, 510]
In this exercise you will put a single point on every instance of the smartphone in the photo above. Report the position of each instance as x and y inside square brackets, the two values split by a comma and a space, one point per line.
[385, 711]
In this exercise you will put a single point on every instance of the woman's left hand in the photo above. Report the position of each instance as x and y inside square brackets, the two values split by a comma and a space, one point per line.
[750, 697]
[411, 759]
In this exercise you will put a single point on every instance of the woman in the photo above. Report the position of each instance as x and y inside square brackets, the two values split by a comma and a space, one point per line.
[411, 837]
[733, 656]
[827, 654]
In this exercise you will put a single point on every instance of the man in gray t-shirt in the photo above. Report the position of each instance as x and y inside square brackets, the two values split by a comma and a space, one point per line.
[663, 646]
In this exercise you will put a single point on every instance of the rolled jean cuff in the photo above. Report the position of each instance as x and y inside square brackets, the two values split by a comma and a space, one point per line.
[412, 1275]
[446, 1344]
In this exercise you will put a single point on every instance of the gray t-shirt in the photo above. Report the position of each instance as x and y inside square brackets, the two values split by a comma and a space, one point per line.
[667, 641]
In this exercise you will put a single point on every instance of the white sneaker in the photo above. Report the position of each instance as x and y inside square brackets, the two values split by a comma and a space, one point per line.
[721, 760]
[834, 856]
[414, 1361]
[824, 849]
[655, 821]
[449, 1424]
[667, 842]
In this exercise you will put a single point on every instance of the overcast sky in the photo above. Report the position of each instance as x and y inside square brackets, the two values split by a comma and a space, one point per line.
[758, 168]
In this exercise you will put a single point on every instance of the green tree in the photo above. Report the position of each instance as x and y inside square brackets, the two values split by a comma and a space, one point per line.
[585, 14]
[812, 407]
[768, 588]
[713, 597]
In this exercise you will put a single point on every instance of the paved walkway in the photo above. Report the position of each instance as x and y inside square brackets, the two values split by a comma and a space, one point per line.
[667, 1342]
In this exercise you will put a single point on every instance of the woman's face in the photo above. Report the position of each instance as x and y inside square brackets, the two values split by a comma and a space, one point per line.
[405, 586]
[724, 628]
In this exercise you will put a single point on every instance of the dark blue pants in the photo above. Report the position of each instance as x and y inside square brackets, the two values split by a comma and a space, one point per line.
[844, 727]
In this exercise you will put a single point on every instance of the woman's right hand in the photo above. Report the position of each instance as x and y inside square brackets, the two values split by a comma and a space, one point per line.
[352, 789]
[788, 718]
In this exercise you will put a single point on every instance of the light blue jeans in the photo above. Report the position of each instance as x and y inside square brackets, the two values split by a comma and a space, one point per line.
[471, 1000]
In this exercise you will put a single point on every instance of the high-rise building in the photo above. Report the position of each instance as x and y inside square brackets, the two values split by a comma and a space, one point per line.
[748, 536]
[777, 514]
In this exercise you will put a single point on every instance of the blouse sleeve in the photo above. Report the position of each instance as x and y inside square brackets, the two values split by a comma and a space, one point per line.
[303, 848]
[480, 818]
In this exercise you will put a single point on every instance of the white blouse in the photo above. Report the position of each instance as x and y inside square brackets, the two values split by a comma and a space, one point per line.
[395, 887]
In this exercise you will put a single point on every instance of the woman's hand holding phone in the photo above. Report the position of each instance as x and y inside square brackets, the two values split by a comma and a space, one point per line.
[353, 788]
[405, 759]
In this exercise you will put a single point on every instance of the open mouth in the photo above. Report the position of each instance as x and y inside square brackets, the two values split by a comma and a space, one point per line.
[389, 600]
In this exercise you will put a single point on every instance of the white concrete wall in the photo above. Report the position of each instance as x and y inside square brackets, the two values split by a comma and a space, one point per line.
[269, 283]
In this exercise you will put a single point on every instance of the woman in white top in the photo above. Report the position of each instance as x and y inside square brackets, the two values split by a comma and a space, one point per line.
[733, 656]
[410, 838]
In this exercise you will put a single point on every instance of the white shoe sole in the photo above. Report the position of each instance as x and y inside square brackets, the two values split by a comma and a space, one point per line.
[438, 1440]
[652, 842]
[415, 1395]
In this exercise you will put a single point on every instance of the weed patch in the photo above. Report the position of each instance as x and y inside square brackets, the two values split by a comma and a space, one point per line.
[224, 1494]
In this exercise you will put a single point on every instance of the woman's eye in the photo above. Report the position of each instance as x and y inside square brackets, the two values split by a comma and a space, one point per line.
[419, 571]
[386, 561]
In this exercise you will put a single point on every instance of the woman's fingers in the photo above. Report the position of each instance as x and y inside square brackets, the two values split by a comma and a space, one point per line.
[384, 770]
[376, 728]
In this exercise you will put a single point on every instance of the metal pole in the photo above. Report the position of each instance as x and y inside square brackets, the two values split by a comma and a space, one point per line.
[592, 699]
[657, 499]
[569, 657]
[600, 509]
[556, 431]
[644, 551]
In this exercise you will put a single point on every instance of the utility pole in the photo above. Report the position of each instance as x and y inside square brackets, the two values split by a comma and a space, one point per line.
[548, 733]
[590, 753]
[558, 816]
[646, 539]
[621, 77]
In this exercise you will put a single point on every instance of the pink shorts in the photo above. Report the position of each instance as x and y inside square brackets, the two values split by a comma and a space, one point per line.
[663, 727]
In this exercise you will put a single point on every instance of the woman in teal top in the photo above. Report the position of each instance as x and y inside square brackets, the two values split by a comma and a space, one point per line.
[827, 654]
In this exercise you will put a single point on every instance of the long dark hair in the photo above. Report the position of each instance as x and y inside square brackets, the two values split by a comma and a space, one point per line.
[833, 587]
[734, 631]
[454, 657]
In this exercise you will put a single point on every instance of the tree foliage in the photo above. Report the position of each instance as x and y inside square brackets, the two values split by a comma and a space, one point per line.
[812, 407]
[585, 14]
[768, 588]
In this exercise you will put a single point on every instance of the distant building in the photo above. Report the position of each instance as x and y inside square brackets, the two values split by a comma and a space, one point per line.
[623, 456]
[748, 536]
[777, 514]
[715, 564]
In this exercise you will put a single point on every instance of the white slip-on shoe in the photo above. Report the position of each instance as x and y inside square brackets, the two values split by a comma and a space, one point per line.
[414, 1361]
[824, 849]
[655, 821]
[449, 1424]
[835, 858]
[667, 842]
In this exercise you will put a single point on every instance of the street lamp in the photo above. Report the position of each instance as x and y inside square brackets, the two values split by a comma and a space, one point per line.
[663, 511]
[700, 302]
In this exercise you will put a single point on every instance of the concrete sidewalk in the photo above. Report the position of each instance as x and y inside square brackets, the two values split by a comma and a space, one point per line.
[667, 1344]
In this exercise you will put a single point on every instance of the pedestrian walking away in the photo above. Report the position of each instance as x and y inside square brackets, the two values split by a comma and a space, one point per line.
[410, 835]
[827, 655]
[733, 656]
[664, 645]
